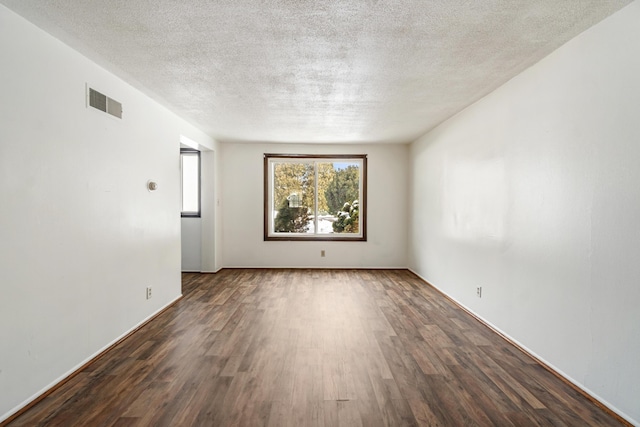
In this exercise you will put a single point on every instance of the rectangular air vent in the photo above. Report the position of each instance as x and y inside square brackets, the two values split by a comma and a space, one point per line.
[104, 103]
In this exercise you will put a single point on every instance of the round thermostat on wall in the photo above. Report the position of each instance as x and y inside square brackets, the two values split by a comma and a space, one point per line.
[152, 185]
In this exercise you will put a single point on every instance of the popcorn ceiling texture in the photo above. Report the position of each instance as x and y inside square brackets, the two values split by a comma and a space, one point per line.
[315, 71]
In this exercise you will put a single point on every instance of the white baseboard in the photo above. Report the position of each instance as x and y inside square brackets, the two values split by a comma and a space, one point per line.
[533, 354]
[78, 366]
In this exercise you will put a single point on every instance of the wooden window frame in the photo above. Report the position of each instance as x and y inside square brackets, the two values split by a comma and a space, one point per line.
[341, 237]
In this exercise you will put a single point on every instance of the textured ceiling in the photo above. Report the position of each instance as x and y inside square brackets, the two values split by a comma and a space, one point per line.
[315, 71]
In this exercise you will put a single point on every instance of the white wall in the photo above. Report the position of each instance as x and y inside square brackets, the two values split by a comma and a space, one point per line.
[533, 193]
[80, 235]
[210, 217]
[243, 242]
[191, 239]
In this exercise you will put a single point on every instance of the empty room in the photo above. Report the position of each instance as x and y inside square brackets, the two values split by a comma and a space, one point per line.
[336, 213]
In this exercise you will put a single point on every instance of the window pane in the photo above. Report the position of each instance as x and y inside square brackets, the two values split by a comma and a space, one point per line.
[190, 183]
[339, 185]
[293, 197]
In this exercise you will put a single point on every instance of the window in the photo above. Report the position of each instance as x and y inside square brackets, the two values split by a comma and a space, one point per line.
[190, 169]
[320, 197]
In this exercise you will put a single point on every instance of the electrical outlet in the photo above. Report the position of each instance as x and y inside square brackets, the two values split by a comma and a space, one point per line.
[148, 292]
[479, 291]
[322, 253]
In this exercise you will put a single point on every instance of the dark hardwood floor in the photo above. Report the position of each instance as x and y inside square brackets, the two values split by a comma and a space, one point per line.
[314, 348]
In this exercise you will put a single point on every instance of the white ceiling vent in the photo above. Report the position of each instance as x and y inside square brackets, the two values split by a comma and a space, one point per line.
[104, 103]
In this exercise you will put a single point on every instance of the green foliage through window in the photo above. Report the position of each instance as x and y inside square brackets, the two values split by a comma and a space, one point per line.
[348, 219]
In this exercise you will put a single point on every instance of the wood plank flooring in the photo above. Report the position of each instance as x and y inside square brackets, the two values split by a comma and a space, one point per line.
[314, 348]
